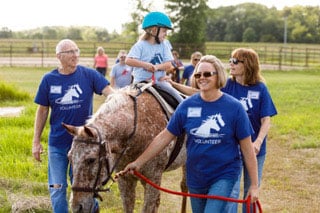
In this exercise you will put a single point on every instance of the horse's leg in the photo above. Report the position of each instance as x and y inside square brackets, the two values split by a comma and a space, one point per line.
[127, 186]
[184, 188]
[151, 196]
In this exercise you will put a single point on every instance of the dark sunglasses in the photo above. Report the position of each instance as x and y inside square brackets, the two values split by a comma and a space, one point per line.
[204, 74]
[235, 61]
[196, 59]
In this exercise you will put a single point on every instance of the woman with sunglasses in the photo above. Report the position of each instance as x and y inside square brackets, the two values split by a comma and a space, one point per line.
[217, 129]
[248, 86]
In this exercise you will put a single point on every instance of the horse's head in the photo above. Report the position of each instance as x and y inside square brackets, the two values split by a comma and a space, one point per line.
[89, 159]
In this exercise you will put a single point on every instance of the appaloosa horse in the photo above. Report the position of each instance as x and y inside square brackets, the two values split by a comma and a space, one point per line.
[117, 134]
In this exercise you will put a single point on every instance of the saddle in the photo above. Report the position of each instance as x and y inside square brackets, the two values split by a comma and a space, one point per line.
[168, 104]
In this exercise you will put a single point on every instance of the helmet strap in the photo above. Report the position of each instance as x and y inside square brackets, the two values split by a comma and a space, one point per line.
[157, 36]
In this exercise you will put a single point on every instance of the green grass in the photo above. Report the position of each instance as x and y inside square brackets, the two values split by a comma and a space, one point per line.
[293, 140]
[296, 95]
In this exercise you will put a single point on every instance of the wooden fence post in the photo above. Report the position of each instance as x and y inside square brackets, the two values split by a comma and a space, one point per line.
[280, 57]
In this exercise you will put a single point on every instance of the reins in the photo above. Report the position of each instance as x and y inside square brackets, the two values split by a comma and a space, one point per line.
[247, 201]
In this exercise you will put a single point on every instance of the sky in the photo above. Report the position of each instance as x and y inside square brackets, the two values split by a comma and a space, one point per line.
[30, 14]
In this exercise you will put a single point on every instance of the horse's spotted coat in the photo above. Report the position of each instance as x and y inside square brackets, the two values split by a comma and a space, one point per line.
[115, 122]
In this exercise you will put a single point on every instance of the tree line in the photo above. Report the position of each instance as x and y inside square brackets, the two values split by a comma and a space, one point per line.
[195, 23]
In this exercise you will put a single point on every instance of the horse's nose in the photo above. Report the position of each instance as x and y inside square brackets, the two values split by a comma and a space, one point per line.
[77, 209]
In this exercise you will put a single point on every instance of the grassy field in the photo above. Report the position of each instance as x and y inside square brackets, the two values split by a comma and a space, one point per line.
[291, 175]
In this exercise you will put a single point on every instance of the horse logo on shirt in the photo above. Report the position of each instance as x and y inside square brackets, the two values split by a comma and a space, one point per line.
[213, 122]
[246, 103]
[157, 59]
[68, 98]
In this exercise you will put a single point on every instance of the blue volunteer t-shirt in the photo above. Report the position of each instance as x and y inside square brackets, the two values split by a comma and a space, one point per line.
[256, 101]
[187, 73]
[214, 130]
[70, 98]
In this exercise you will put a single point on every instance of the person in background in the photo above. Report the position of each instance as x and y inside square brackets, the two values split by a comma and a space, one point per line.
[121, 74]
[188, 70]
[248, 86]
[67, 92]
[218, 130]
[177, 66]
[151, 55]
[101, 61]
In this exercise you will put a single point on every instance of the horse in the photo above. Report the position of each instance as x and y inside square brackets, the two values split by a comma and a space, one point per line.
[117, 133]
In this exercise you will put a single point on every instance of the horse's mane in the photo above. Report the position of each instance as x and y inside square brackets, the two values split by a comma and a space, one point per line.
[114, 102]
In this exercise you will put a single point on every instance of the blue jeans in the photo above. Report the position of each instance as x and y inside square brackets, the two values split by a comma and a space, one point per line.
[247, 182]
[58, 167]
[233, 207]
[166, 86]
[221, 187]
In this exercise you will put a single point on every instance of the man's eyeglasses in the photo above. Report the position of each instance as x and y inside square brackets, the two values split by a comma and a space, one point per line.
[71, 52]
[196, 59]
[235, 61]
[204, 74]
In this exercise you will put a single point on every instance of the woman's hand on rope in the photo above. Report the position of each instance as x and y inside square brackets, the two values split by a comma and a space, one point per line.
[254, 193]
[130, 168]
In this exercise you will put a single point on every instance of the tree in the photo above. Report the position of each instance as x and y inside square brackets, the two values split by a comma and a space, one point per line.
[189, 21]
[74, 33]
[217, 22]
[5, 33]
[49, 33]
[102, 35]
[303, 24]
[249, 35]
[132, 28]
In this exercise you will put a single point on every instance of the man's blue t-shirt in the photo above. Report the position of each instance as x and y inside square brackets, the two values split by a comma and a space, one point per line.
[213, 130]
[187, 73]
[256, 101]
[70, 98]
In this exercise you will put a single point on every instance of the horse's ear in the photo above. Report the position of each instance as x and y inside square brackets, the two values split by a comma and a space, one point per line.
[71, 129]
[91, 132]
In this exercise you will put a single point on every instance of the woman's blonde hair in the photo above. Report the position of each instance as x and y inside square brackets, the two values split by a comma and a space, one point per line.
[219, 68]
[100, 50]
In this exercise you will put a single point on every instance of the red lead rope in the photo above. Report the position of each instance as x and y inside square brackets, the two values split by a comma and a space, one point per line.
[247, 201]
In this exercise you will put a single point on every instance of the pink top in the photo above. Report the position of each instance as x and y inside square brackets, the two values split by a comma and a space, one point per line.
[101, 61]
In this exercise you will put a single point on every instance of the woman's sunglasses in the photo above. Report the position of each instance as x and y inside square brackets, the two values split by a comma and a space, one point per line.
[235, 61]
[204, 74]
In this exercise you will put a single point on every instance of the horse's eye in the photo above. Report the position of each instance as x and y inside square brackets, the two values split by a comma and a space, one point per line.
[90, 161]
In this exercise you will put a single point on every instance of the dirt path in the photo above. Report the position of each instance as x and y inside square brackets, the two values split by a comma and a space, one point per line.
[11, 111]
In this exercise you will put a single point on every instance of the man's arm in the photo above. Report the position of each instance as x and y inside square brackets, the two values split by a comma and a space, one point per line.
[39, 124]
[107, 90]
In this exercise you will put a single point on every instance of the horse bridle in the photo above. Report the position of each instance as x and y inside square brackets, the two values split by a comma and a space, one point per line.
[101, 143]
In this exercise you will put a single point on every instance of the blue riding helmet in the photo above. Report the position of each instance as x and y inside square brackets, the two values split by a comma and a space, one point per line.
[157, 19]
